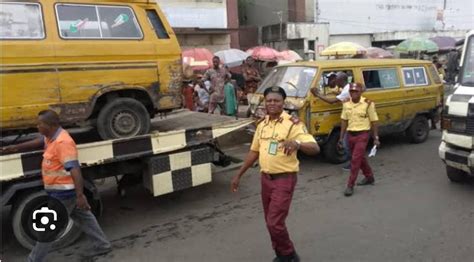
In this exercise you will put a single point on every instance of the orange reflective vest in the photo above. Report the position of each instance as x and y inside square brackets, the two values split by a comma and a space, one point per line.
[59, 157]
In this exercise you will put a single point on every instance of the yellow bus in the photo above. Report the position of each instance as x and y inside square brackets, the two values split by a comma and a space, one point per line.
[407, 94]
[109, 64]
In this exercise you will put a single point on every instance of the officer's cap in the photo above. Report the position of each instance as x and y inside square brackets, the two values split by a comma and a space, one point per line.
[275, 89]
[355, 87]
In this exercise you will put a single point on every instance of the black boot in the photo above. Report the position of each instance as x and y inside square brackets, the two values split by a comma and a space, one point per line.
[294, 257]
[288, 258]
[277, 258]
[366, 181]
[349, 191]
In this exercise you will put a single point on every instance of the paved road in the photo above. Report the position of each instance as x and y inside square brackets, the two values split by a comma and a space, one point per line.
[413, 213]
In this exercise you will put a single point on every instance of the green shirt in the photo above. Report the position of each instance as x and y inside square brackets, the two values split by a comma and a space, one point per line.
[230, 100]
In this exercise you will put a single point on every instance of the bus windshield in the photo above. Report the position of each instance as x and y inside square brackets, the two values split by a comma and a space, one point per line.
[296, 80]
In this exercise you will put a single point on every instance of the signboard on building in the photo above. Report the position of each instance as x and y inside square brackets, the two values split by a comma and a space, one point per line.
[195, 14]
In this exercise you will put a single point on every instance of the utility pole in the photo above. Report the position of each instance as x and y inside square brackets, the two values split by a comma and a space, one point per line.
[444, 10]
[316, 11]
[280, 17]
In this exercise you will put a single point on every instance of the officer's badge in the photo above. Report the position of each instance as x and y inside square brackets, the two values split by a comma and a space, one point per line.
[305, 130]
[295, 119]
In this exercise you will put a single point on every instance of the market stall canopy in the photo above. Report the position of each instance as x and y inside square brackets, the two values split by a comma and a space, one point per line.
[289, 55]
[377, 52]
[232, 57]
[344, 48]
[444, 43]
[198, 58]
[263, 53]
[417, 44]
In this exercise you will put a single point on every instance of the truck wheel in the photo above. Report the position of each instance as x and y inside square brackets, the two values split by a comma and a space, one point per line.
[123, 117]
[419, 130]
[70, 235]
[456, 175]
[332, 153]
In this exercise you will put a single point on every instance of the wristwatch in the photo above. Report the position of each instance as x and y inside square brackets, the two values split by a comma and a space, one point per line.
[299, 144]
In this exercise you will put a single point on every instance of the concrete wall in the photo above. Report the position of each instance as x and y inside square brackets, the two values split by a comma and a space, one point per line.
[376, 16]
[306, 30]
[248, 37]
[272, 33]
[297, 11]
[300, 37]
[204, 14]
[213, 42]
[361, 21]
[310, 9]
[459, 15]
[402, 35]
[233, 23]
[263, 12]
[195, 13]
[364, 40]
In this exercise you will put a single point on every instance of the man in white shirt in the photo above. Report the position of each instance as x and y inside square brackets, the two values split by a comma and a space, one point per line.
[344, 96]
[341, 80]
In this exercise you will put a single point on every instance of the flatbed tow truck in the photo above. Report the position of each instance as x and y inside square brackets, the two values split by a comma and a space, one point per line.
[178, 153]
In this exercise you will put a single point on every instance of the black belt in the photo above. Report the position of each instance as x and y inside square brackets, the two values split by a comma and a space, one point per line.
[356, 133]
[278, 175]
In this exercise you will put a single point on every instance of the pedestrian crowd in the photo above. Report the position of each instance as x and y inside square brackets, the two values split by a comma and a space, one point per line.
[220, 88]
[447, 66]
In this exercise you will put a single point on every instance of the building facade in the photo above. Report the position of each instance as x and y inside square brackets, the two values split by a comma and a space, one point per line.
[367, 22]
[212, 24]
[285, 24]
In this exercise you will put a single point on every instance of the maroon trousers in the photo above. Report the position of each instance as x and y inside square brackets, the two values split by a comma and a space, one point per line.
[358, 145]
[276, 198]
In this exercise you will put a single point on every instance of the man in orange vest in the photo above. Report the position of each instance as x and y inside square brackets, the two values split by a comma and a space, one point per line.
[62, 178]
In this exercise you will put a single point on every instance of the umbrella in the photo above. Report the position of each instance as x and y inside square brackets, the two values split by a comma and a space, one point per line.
[232, 57]
[377, 52]
[198, 58]
[263, 53]
[344, 48]
[289, 55]
[417, 44]
[444, 43]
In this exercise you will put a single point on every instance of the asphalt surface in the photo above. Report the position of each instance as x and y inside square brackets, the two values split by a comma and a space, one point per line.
[412, 213]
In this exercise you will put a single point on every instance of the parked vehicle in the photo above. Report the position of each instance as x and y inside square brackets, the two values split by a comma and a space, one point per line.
[407, 93]
[109, 64]
[457, 143]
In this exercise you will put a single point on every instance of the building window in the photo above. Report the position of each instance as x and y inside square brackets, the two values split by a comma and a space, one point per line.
[311, 45]
[415, 76]
[97, 22]
[21, 21]
[381, 78]
[157, 24]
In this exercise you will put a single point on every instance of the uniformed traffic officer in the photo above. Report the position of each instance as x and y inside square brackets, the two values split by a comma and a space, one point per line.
[358, 119]
[275, 144]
